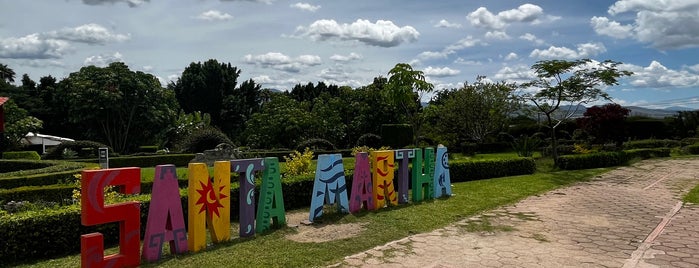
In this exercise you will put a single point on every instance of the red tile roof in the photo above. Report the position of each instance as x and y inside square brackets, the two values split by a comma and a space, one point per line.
[3, 100]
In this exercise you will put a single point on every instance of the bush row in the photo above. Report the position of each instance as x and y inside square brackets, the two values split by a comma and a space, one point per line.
[7, 166]
[179, 160]
[651, 143]
[30, 155]
[281, 154]
[647, 153]
[485, 169]
[692, 149]
[593, 160]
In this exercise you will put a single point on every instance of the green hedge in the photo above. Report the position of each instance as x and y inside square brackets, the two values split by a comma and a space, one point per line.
[179, 160]
[29, 155]
[593, 160]
[53, 172]
[21, 165]
[647, 153]
[692, 149]
[485, 169]
[58, 193]
[397, 135]
[651, 143]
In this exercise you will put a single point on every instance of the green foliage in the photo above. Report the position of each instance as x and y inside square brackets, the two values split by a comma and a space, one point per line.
[405, 89]
[298, 163]
[647, 128]
[179, 160]
[27, 173]
[59, 193]
[203, 139]
[581, 149]
[692, 149]
[593, 160]
[647, 153]
[83, 149]
[370, 140]
[18, 123]
[485, 169]
[651, 143]
[316, 144]
[397, 135]
[526, 145]
[692, 196]
[29, 155]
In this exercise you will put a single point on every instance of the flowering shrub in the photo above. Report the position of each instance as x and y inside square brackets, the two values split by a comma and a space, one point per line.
[299, 163]
[111, 196]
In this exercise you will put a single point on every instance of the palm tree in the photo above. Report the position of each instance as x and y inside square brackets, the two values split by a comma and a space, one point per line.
[6, 73]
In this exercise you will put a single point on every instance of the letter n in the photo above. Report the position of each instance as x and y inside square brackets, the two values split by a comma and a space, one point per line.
[404, 156]
[165, 218]
[329, 186]
[207, 197]
[270, 207]
[423, 185]
[94, 212]
[442, 180]
[246, 168]
[383, 164]
[362, 191]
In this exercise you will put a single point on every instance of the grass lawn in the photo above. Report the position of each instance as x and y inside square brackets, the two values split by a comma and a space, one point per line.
[692, 196]
[274, 250]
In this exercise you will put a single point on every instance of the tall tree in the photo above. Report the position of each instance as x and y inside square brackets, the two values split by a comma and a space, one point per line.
[405, 88]
[474, 111]
[122, 107]
[605, 123]
[204, 87]
[239, 107]
[563, 87]
[18, 124]
[7, 75]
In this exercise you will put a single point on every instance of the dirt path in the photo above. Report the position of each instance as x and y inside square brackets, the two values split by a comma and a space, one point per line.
[629, 217]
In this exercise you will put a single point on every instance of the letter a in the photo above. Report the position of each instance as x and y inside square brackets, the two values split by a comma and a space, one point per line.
[442, 180]
[383, 164]
[165, 218]
[329, 185]
[271, 204]
[94, 212]
[362, 191]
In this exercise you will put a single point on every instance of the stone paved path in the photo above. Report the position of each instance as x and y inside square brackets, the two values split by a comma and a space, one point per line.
[629, 217]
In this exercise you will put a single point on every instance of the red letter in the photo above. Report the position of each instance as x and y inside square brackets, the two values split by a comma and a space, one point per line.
[94, 212]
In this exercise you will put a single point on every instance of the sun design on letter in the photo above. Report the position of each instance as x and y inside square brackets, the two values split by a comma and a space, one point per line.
[208, 199]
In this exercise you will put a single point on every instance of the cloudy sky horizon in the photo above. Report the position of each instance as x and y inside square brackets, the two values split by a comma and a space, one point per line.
[282, 43]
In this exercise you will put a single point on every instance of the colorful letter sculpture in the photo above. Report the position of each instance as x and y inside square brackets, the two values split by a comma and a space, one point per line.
[246, 168]
[383, 164]
[208, 198]
[94, 212]
[271, 204]
[423, 184]
[329, 186]
[165, 218]
[442, 180]
[362, 191]
[403, 176]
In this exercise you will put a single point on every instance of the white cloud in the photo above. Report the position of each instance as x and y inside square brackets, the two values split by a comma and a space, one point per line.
[276, 83]
[283, 62]
[467, 42]
[585, 50]
[531, 38]
[88, 33]
[214, 15]
[269, 2]
[147, 68]
[694, 68]
[381, 33]
[497, 35]
[33, 46]
[131, 3]
[306, 7]
[656, 75]
[669, 24]
[352, 56]
[461, 60]
[447, 24]
[511, 56]
[429, 55]
[103, 60]
[440, 72]
[515, 74]
[481, 17]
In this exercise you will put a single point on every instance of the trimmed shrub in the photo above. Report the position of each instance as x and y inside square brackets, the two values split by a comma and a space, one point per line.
[51, 193]
[370, 140]
[39, 172]
[494, 147]
[20, 165]
[397, 135]
[203, 139]
[562, 150]
[647, 153]
[316, 144]
[83, 149]
[179, 160]
[692, 149]
[594, 160]
[651, 143]
[689, 141]
[30, 155]
[148, 148]
[485, 169]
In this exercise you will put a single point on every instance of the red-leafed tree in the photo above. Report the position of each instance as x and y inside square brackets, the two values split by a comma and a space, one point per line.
[605, 123]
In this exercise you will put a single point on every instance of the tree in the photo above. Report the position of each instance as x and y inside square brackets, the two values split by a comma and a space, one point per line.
[605, 123]
[405, 89]
[7, 75]
[474, 111]
[239, 107]
[570, 83]
[116, 105]
[18, 124]
[282, 123]
[204, 87]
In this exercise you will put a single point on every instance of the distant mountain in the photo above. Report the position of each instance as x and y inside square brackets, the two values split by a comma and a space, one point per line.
[652, 113]
[679, 109]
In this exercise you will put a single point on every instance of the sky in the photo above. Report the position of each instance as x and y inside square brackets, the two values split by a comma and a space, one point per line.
[282, 43]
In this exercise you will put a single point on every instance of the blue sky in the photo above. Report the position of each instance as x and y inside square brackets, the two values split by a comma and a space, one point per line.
[282, 43]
